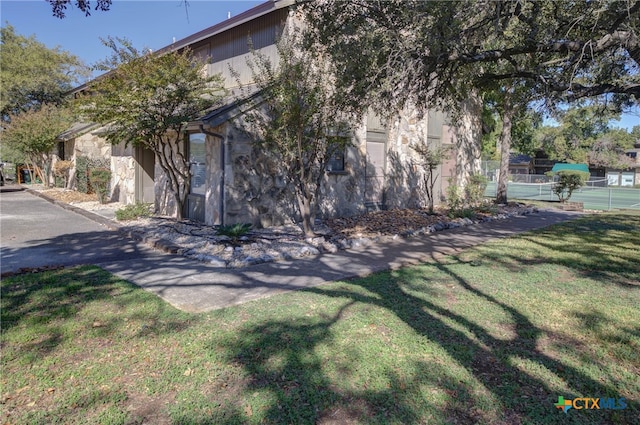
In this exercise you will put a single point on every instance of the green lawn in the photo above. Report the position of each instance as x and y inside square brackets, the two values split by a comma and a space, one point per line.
[494, 335]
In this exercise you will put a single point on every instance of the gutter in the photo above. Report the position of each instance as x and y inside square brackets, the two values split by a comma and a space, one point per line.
[223, 141]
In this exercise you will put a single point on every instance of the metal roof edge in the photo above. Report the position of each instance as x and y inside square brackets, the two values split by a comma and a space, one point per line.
[246, 16]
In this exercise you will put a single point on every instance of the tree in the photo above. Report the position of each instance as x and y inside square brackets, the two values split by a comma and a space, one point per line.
[59, 7]
[147, 100]
[31, 136]
[568, 182]
[577, 130]
[608, 150]
[32, 74]
[297, 119]
[430, 157]
[442, 54]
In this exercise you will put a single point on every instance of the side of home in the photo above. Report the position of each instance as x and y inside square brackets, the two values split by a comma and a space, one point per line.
[234, 182]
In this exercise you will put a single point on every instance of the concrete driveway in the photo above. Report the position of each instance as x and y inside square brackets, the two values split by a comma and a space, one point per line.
[36, 233]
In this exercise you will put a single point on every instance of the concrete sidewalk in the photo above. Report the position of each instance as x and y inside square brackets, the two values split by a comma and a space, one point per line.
[196, 287]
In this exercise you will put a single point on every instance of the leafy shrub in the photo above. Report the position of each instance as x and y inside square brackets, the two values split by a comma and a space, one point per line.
[568, 182]
[100, 179]
[474, 192]
[488, 208]
[134, 211]
[84, 165]
[466, 212]
[454, 196]
[61, 172]
[234, 231]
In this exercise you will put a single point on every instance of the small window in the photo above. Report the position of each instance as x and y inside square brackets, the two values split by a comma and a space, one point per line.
[336, 162]
[61, 150]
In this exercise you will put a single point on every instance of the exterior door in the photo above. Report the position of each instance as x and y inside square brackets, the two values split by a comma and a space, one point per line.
[145, 166]
[374, 193]
[195, 208]
[375, 171]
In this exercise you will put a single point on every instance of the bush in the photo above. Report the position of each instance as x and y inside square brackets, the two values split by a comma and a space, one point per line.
[100, 179]
[467, 212]
[61, 172]
[134, 211]
[474, 192]
[454, 196]
[568, 181]
[84, 165]
[234, 231]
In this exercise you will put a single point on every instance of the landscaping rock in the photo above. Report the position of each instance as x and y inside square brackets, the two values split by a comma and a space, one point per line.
[201, 242]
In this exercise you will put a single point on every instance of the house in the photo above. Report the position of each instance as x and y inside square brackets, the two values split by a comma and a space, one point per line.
[232, 182]
[520, 164]
[628, 177]
[132, 168]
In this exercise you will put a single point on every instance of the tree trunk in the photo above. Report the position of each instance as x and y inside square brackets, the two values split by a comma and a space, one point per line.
[176, 170]
[179, 206]
[305, 212]
[468, 139]
[71, 175]
[430, 182]
[505, 147]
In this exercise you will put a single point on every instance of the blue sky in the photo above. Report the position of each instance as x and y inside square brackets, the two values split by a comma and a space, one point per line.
[147, 23]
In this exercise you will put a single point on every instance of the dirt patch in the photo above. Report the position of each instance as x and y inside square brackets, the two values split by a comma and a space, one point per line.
[352, 414]
[389, 222]
[147, 410]
[404, 222]
[69, 196]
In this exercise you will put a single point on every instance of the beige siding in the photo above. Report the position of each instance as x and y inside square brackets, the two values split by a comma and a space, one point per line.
[239, 64]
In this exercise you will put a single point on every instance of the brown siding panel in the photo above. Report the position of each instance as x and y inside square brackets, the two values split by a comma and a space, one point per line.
[262, 32]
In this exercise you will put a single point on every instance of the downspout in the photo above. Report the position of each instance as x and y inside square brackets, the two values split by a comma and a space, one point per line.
[223, 161]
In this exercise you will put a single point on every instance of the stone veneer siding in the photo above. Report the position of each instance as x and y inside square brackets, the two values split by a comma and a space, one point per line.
[255, 190]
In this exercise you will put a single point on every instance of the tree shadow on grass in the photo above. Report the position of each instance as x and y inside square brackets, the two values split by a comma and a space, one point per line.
[280, 358]
[590, 247]
[46, 303]
[283, 360]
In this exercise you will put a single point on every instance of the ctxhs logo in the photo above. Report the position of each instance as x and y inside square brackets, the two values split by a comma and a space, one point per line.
[591, 403]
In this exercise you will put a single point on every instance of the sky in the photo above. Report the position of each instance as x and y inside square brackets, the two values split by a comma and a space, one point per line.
[149, 24]
[146, 23]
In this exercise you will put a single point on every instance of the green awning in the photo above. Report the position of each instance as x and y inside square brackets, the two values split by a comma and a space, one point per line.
[570, 167]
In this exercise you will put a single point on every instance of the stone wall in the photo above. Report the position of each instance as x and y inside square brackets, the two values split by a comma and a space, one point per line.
[123, 179]
[342, 193]
[256, 190]
[255, 186]
[88, 145]
[213, 178]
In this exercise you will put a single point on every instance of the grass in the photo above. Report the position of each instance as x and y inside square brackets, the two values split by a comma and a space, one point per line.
[494, 335]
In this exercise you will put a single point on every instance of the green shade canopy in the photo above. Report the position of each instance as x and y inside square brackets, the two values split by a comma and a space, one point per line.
[570, 167]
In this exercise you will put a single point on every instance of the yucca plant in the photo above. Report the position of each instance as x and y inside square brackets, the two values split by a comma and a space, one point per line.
[234, 231]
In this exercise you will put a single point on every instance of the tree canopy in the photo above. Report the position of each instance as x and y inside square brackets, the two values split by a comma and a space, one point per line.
[31, 74]
[418, 51]
[447, 54]
[297, 119]
[31, 136]
[147, 100]
[59, 7]
[583, 134]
